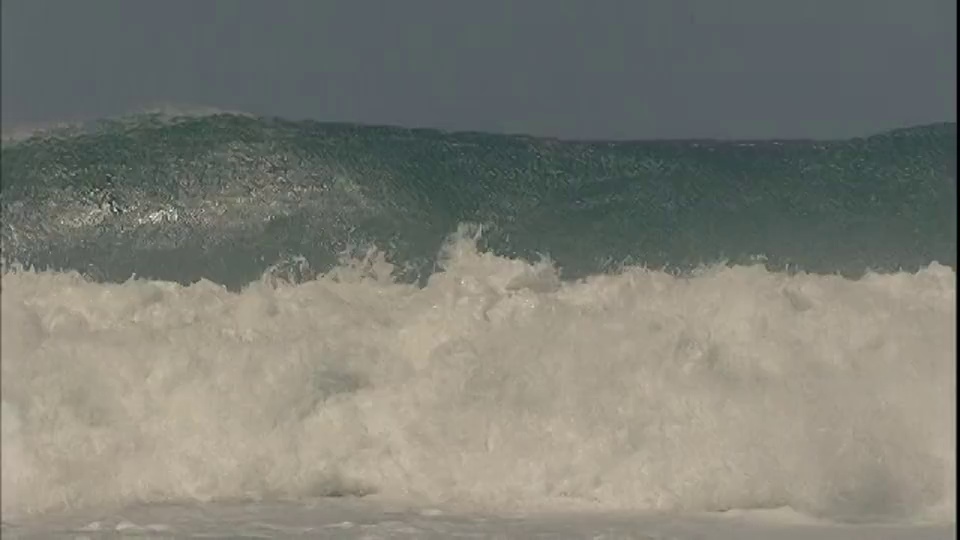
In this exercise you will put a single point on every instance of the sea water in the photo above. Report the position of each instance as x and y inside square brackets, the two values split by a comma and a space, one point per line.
[224, 310]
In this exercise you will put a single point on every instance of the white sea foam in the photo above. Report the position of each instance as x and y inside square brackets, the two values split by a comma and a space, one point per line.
[496, 385]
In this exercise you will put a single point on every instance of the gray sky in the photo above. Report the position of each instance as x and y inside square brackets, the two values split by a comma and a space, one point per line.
[567, 68]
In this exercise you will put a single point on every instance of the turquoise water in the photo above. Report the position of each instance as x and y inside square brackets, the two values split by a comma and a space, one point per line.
[226, 197]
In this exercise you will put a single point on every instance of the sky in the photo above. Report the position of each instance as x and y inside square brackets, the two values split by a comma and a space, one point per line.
[625, 69]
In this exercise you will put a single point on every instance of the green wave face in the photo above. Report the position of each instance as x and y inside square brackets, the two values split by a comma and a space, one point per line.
[225, 197]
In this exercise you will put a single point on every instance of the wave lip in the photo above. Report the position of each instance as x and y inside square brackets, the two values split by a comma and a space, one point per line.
[495, 384]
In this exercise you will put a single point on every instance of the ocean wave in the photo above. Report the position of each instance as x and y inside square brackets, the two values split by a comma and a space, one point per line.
[225, 196]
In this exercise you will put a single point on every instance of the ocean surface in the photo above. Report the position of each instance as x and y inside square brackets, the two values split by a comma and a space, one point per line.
[224, 197]
[201, 310]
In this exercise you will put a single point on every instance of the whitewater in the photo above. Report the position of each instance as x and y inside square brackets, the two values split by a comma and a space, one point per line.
[494, 396]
